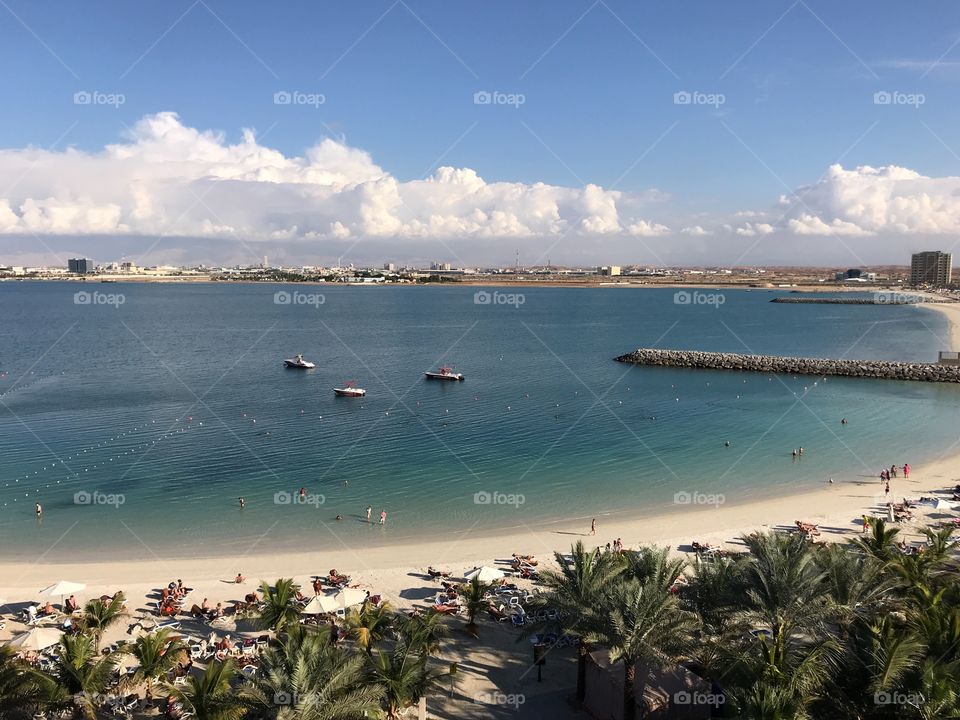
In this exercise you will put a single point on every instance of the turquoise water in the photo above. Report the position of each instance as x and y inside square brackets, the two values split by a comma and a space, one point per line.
[177, 401]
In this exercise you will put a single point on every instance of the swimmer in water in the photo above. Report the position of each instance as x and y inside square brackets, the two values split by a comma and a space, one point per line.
[243, 503]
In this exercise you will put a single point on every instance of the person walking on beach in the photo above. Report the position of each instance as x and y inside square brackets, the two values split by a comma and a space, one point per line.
[886, 489]
[866, 523]
[906, 470]
[383, 517]
[369, 510]
[893, 470]
[593, 526]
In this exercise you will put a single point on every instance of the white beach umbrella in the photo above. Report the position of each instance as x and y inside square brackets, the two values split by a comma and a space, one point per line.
[941, 504]
[319, 604]
[36, 638]
[348, 597]
[484, 574]
[61, 588]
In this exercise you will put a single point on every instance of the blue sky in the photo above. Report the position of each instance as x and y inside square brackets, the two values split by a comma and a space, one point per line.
[598, 80]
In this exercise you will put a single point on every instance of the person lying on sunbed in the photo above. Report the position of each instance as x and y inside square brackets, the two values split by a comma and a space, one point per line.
[434, 573]
[497, 613]
[528, 559]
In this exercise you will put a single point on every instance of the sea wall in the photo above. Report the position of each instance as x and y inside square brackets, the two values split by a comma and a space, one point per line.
[924, 372]
[881, 299]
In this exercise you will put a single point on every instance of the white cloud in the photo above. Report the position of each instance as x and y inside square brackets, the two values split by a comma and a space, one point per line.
[754, 229]
[695, 231]
[171, 179]
[871, 201]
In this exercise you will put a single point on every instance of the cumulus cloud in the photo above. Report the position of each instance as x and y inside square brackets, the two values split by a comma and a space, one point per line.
[754, 229]
[168, 178]
[695, 231]
[871, 201]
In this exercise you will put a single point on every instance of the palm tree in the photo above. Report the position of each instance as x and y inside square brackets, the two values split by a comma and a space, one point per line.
[575, 592]
[474, 595]
[210, 696]
[881, 543]
[99, 615]
[404, 673]
[23, 690]
[156, 653]
[309, 678]
[424, 632]
[370, 624]
[83, 672]
[643, 623]
[280, 609]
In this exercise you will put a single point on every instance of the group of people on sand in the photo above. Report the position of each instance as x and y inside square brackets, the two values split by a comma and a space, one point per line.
[171, 597]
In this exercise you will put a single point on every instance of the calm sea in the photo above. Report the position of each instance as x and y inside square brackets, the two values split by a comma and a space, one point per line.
[139, 425]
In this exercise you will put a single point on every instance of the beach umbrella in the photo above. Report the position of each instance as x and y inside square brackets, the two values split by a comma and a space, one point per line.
[348, 597]
[941, 504]
[319, 604]
[484, 574]
[36, 638]
[61, 588]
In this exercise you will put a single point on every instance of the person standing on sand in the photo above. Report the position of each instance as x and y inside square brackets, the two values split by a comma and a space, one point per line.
[593, 526]
[369, 510]
[383, 517]
[886, 489]
[906, 470]
[866, 523]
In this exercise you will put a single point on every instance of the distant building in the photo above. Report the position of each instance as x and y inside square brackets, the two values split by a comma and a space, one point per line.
[609, 270]
[81, 266]
[389, 267]
[931, 268]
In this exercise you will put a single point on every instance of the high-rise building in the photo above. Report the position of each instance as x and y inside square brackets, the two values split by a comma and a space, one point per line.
[389, 267]
[81, 266]
[931, 268]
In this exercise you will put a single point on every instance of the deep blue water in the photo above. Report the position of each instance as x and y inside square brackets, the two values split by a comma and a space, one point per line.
[177, 399]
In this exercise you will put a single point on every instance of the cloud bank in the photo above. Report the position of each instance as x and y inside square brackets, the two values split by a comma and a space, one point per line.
[176, 180]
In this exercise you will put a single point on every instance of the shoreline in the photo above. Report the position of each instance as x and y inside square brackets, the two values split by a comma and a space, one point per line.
[392, 569]
[951, 311]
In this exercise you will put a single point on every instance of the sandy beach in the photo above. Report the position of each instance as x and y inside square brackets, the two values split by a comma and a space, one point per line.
[952, 313]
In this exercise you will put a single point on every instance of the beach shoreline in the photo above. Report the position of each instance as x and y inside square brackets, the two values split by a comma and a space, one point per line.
[390, 569]
[951, 311]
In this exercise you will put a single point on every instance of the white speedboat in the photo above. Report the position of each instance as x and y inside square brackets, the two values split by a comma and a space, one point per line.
[298, 362]
[444, 373]
[350, 390]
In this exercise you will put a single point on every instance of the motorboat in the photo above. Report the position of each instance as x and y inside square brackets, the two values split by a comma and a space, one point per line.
[444, 373]
[298, 362]
[350, 390]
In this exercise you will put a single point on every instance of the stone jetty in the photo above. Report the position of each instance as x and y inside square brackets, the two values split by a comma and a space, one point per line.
[881, 299]
[882, 369]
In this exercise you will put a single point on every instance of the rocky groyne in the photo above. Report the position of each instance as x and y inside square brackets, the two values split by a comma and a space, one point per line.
[879, 300]
[881, 369]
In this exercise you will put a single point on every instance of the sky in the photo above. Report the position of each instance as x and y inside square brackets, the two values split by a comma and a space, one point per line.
[594, 132]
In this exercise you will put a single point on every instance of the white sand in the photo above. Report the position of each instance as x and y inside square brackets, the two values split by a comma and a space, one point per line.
[952, 313]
